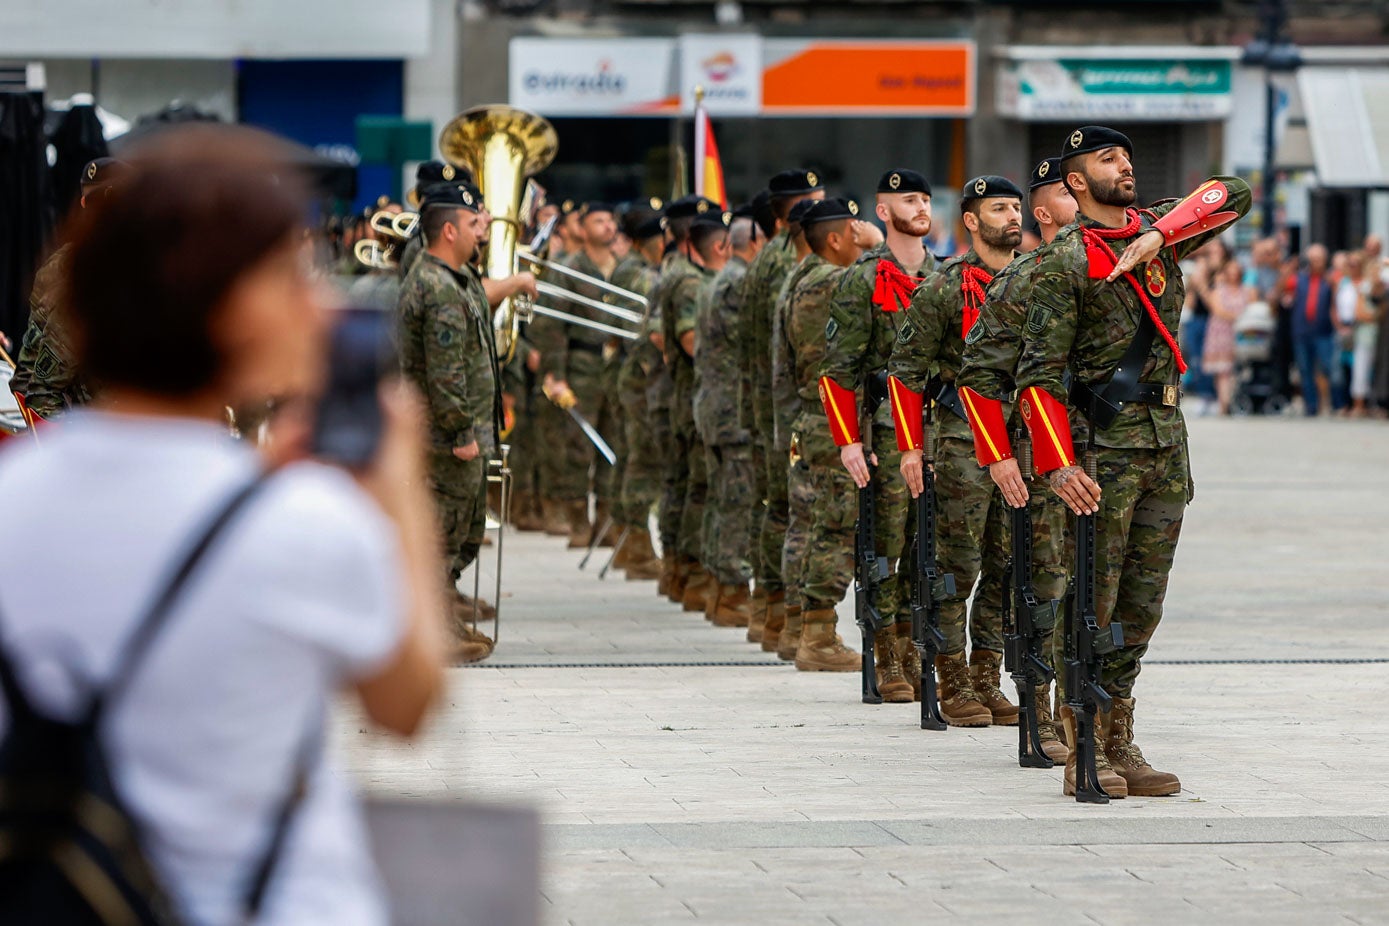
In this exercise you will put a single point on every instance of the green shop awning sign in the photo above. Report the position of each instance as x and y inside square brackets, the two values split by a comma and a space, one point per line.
[1070, 88]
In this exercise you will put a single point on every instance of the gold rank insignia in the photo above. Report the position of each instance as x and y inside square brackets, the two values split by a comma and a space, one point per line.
[1076, 138]
[448, 172]
[91, 171]
[1155, 277]
[894, 181]
[1043, 168]
[467, 197]
[853, 207]
[980, 186]
[727, 218]
[656, 203]
[811, 179]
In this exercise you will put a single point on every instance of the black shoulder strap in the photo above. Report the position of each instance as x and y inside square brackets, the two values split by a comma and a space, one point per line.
[1101, 404]
[153, 621]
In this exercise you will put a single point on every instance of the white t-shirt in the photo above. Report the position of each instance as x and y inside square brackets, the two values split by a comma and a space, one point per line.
[299, 596]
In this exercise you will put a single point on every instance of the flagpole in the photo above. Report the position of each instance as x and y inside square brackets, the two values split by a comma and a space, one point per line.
[700, 144]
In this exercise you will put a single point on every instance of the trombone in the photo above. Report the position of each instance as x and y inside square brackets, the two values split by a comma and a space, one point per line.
[392, 230]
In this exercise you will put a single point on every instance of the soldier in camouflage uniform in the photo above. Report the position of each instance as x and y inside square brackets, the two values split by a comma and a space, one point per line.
[572, 359]
[447, 350]
[687, 479]
[986, 375]
[761, 286]
[826, 563]
[972, 526]
[46, 373]
[727, 444]
[870, 300]
[642, 472]
[1104, 283]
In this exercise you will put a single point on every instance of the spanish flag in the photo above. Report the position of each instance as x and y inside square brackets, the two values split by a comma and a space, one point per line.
[708, 169]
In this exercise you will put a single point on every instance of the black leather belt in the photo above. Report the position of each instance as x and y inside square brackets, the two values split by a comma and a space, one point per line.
[1165, 394]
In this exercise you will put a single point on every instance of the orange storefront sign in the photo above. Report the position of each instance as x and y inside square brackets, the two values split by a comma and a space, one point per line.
[869, 78]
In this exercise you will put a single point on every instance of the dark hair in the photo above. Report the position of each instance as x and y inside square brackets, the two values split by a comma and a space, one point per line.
[151, 264]
[680, 228]
[704, 237]
[433, 220]
[818, 234]
[1076, 163]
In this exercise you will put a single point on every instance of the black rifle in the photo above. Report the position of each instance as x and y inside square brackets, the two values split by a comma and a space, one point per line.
[929, 586]
[1026, 624]
[1086, 642]
[869, 568]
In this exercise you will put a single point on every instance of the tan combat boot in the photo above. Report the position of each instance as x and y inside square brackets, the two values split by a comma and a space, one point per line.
[757, 615]
[1142, 779]
[623, 557]
[892, 681]
[789, 640]
[1112, 782]
[643, 565]
[984, 673]
[681, 578]
[668, 570]
[821, 649]
[600, 515]
[774, 629]
[734, 607]
[697, 588]
[959, 704]
[580, 530]
[466, 642]
[463, 608]
[556, 518]
[910, 658]
[525, 513]
[712, 591]
[1052, 747]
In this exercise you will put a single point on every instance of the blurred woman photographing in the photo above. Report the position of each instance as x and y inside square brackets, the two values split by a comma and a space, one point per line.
[188, 293]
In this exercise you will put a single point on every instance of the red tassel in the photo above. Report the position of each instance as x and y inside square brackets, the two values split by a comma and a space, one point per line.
[973, 281]
[893, 287]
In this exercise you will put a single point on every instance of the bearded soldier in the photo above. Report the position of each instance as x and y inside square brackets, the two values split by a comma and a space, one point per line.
[871, 298]
[766, 276]
[1104, 301]
[972, 528]
[448, 351]
[986, 378]
[727, 444]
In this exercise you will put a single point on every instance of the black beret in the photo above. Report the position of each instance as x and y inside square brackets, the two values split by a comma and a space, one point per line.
[457, 195]
[590, 208]
[762, 213]
[712, 219]
[828, 210]
[1090, 138]
[902, 180]
[647, 228]
[1048, 171]
[799, 210]
[431, 172]
[794, 183]
[103, 172]
[744, 211]
[989, 185]
[687, 207]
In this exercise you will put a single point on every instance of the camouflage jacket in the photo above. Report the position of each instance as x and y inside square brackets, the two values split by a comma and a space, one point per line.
[930, 340]
[557, 338]
[409, 253]
[718, 357]
[761, 287]
[1085, 325]
[798, 344]
[46, 368]
[991, 351]
[677, 298]
[859, 335]
[447, 350]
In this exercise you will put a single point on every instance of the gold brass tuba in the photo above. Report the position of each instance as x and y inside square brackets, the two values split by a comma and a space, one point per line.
[502, 146]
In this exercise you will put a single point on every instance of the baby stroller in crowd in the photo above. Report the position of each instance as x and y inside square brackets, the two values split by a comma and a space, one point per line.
[1256, 391]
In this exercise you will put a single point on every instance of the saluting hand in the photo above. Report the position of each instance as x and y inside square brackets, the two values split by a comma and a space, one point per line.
[1008, 477]
[1141, 250]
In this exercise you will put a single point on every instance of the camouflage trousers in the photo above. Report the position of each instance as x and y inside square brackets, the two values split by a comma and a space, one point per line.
[570, 461]
[800, 518]
[1145, 494]
[694, 491]
[828, 569]
[642, 476]
[894, 520]
[728, 512]
[1051, 554]
[755, 511]
[607, 481]
[971, 543]
[524, 459]
[775, 520]
[460, 497]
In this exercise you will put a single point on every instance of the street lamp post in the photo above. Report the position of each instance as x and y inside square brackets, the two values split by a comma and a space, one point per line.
[1275, 53]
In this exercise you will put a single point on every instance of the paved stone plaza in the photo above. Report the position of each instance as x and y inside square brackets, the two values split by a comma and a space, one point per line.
[683, 775]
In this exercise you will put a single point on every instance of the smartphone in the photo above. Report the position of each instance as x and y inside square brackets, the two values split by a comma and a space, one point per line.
[347, 429]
